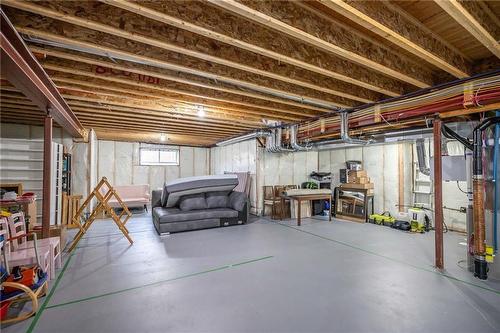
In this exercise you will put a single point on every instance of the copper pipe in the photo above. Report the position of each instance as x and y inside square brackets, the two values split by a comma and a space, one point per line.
[478, 210]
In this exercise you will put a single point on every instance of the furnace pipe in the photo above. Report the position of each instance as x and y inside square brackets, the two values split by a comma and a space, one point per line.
[480, 264]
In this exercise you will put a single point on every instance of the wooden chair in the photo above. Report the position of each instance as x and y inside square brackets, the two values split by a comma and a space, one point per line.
[269, 198]
[17, 226]
[20, 293]
[27, 256]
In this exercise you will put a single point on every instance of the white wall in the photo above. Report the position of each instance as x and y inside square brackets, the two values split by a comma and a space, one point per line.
[239, 157]
[381, 163]
[119, 163]
[20, 131]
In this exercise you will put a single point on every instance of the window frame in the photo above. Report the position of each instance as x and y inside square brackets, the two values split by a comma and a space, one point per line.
[159, 149]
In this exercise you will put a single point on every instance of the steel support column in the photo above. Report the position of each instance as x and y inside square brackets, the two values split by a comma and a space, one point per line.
[438, 195]
[47, 166]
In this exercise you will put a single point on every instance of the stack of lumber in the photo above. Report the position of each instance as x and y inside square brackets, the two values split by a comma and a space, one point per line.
[358, 179]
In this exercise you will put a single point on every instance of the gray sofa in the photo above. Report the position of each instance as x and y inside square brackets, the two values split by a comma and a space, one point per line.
[198, 203]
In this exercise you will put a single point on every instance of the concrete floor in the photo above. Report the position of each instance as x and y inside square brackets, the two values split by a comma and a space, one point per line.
[266, 277]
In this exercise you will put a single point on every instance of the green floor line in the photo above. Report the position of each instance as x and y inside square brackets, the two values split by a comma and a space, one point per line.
[393, 259]
[116, 234]
[49, 296]
[157, 282]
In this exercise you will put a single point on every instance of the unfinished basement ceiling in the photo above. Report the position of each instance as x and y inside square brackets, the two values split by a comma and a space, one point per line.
[134, 70]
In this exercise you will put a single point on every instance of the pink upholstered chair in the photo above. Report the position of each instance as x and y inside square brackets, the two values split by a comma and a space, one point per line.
[17, 227]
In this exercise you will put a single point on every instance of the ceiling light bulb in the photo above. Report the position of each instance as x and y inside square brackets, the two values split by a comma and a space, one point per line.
[163, 137]
[201, 111]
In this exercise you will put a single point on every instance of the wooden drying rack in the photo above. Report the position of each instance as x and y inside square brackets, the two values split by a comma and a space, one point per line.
[102, 206]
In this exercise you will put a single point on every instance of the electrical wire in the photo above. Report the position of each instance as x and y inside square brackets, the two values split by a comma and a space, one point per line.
[458, 185]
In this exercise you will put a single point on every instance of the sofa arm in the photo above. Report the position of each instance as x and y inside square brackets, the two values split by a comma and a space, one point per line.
[156, 198]
[238, 200]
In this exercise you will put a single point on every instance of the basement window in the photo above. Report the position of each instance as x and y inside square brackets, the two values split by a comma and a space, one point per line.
[158, 155]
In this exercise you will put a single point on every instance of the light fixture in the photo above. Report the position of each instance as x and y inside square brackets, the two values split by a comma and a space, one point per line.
[201, 111]
[163, 137]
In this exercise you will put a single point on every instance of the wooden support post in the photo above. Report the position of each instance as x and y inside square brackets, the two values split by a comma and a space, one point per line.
[47, 161]
[438, 194]
[401, 178]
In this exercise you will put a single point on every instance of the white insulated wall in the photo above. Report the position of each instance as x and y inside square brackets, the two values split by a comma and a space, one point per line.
[381, 163]
[119, 163]
[239, 157]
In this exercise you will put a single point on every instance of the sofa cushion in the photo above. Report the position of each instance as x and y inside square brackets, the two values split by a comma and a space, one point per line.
[178, 188]
[193, 202]
[168, 215]
[164, 196]
[218, 199]
[237, 200]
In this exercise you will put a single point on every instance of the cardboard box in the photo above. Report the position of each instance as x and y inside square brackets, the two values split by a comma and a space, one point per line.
[357, 173]
[358, 186]
[359, 180]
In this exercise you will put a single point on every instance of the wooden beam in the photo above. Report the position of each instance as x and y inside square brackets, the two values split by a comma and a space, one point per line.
[274, 14]
[21, 69]
[104, 133]
[136, 121]
[91, 121]
[193, 89]
[143, 72]
[194, 25]
[470, 110]
[174, 107]
[314, 60]
[103, 22]
[438, 195]
[182, 102]
[470, 22]
[219, 89]
[393, 24]
[145, 114]
[47, 178]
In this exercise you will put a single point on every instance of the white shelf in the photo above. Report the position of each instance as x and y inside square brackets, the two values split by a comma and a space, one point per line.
[10, 159]
[19, 169]
[22, 150]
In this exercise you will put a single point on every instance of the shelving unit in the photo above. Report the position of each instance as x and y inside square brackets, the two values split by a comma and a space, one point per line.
[22, 162]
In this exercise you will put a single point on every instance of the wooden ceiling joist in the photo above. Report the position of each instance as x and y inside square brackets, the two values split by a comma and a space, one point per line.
[129, 122]
[130, 32]
[140, 110]
[181, 102]
[470, 15]
[205, 92]
[105, 133]
[136, 117]
[198, 90]
[159, 12]
[287, 17]
[393, 24]
[22, 69]
[126, 125]
[173, 108]
[324, 63]
[149, 89]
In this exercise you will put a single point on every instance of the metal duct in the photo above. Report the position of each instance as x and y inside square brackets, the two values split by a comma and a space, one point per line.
[278, 147]
[294, 129]
[422, 163]
[249, 136]
[344, 133]
[274, 142]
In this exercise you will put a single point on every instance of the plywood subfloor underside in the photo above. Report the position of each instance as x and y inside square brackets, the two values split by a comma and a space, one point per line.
[269, 277]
